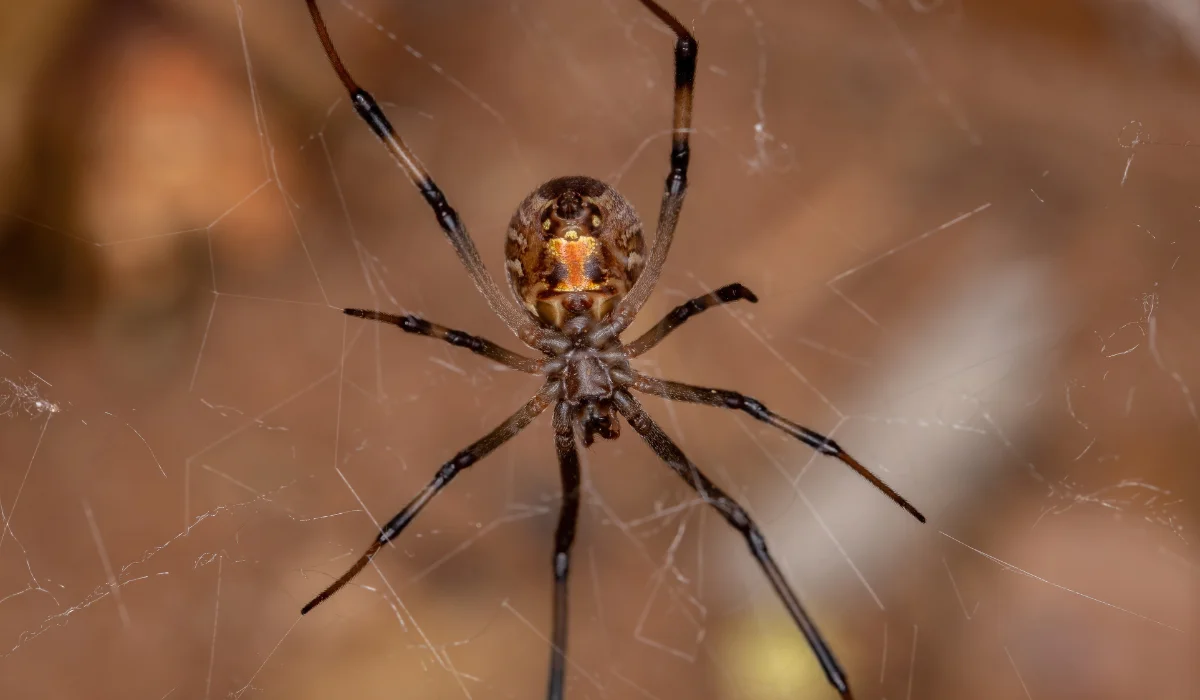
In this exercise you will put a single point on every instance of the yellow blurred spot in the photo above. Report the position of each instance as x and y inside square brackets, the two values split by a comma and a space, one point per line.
[768, 659]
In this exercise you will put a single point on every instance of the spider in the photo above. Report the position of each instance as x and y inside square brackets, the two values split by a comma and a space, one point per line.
[575, 263]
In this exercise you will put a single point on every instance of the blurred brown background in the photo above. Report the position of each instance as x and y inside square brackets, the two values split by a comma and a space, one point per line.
[973, 225]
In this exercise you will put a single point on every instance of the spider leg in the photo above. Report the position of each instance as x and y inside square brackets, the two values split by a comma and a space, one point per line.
[677, 391]
[564, 537]
[686, 48]
[472, 454]
[739, 520]
[447, 217]
[681, 313]
[477, 345]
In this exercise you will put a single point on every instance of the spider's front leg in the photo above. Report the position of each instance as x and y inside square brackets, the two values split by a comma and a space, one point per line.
[461, 461]
[477, 345]
[564, 537]
[738, 519]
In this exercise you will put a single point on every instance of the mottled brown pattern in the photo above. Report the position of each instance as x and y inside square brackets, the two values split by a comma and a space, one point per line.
[126, 121]
[574, 252]
[562, 216]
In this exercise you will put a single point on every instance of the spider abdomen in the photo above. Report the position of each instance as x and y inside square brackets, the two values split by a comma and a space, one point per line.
[574, 248]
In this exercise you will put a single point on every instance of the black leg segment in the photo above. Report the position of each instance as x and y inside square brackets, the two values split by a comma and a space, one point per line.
[564, 537]
[472, 454]
[680, 314]
[370, 111]
[477, 345]
[739, 520]
[722, 398]
[686, 50]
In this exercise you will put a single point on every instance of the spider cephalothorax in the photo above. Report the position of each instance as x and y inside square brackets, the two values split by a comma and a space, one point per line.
[574, 257]
[574, 247]
[589, 379]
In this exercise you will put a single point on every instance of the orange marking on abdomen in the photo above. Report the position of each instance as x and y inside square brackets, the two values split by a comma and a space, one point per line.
[575, 255]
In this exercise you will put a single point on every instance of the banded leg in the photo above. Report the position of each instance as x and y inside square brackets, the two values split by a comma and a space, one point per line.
[686, 48]
[677, 391]
[472, 454]
[739, 520]
[477, 345]
[654, 336]
[564, 537]
[366, 106]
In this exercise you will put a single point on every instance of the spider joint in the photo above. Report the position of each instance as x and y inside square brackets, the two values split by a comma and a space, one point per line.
[414, 324]
[823, 444]
[463, 340]
[754, 406]
[686, 50]
[756, 540]
[562, 563]
[369, 110]
[461, 461]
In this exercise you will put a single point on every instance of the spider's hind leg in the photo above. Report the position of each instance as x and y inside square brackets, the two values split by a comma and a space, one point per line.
[464, 246]
[686, 49]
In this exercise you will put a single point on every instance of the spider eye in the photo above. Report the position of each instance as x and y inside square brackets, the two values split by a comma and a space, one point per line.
[595, 221]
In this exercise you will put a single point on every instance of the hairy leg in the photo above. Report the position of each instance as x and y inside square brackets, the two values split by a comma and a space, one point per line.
[738, 519]
[371, 113]
[680, 314]
[722, 398]
[477, 345]
[564, 537]
[472, 454]
[686, 48]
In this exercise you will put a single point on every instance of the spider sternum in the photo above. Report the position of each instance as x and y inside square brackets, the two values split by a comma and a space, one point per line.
[589, 378]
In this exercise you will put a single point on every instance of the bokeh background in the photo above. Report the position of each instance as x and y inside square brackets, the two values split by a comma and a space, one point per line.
[973, 226]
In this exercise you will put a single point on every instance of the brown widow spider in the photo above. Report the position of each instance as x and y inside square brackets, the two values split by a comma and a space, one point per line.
[574, 257]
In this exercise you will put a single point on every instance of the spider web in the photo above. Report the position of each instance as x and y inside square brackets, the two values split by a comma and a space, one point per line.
[972, 227]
